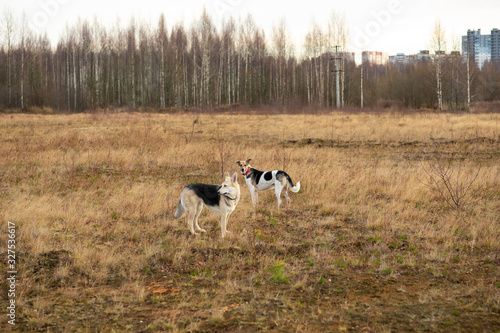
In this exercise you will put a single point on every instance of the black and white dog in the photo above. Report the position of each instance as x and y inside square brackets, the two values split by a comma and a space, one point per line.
[266, 180]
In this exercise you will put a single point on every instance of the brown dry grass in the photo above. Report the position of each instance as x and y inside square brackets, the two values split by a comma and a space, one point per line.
[364, 246]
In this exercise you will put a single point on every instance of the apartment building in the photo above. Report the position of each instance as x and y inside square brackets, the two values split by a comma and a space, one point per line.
[374, 57]
[481, 48]
[495, 45]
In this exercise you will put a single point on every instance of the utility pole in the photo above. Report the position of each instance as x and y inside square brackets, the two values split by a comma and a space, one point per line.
[337, 71]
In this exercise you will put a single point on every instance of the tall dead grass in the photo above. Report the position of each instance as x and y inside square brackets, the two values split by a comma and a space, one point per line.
[104, 188]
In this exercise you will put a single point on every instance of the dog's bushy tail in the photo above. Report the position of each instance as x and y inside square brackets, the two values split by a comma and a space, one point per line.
[180, 209]
[295, 188]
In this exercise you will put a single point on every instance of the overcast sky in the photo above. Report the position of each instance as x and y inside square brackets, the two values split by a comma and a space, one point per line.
[390, 26]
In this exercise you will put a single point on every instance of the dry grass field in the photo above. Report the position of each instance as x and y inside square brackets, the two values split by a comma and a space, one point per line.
[369, 244]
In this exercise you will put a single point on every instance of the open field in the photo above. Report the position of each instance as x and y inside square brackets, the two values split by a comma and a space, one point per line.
[365, 246]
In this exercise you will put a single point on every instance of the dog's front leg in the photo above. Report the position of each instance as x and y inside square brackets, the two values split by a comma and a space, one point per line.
[223, 222]
[253, 194]
[227, 221]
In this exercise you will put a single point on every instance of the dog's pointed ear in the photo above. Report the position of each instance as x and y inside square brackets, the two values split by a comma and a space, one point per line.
[248, 161]
[227, 175]
[238, 162]
[234, 179]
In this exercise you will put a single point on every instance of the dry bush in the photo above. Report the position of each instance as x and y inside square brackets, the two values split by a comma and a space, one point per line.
[451, 181]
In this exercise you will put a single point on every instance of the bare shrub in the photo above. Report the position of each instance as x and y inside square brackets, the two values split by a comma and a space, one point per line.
[450, 180]
[188, 140]
[222, 155]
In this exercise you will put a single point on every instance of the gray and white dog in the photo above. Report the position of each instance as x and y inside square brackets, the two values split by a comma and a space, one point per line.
[265, 180]
[219, 199]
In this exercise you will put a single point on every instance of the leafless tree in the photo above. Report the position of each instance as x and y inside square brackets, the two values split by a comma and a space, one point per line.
[161, 36]
[9, 34]
[281, 48]
[338, 33]
[210, 65]
[438, 44]
[450, 180]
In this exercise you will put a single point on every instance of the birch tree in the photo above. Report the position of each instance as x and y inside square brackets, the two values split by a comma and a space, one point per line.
[281, 47]
[455, 77]
[131, 57]
[438, 44]
[179, 45]
[8, 31]
[247, 31]
[23, 36]
[161, 39]
[307, 65]
[206, 31]
[338, 36]
[228, 40]
[319, 47]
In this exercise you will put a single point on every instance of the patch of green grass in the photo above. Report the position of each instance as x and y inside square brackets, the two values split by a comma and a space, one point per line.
[156, 299]
[278, 272]
[340, 262]
[375, 239]
[204, 272]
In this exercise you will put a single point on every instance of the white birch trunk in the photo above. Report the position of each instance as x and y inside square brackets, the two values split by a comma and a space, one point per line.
[439, 88]
[162, 75]
[362, 74]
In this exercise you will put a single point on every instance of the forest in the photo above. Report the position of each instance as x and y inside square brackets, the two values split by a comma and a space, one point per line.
[142, 66]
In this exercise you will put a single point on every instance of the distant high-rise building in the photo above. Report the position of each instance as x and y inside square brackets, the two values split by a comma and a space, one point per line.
[402, 59]
[495, 45]
[481, 47]
[423, 55]
[348, 56]
[374, 57]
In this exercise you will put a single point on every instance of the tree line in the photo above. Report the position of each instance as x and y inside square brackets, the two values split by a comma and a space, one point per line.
[208, 66]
